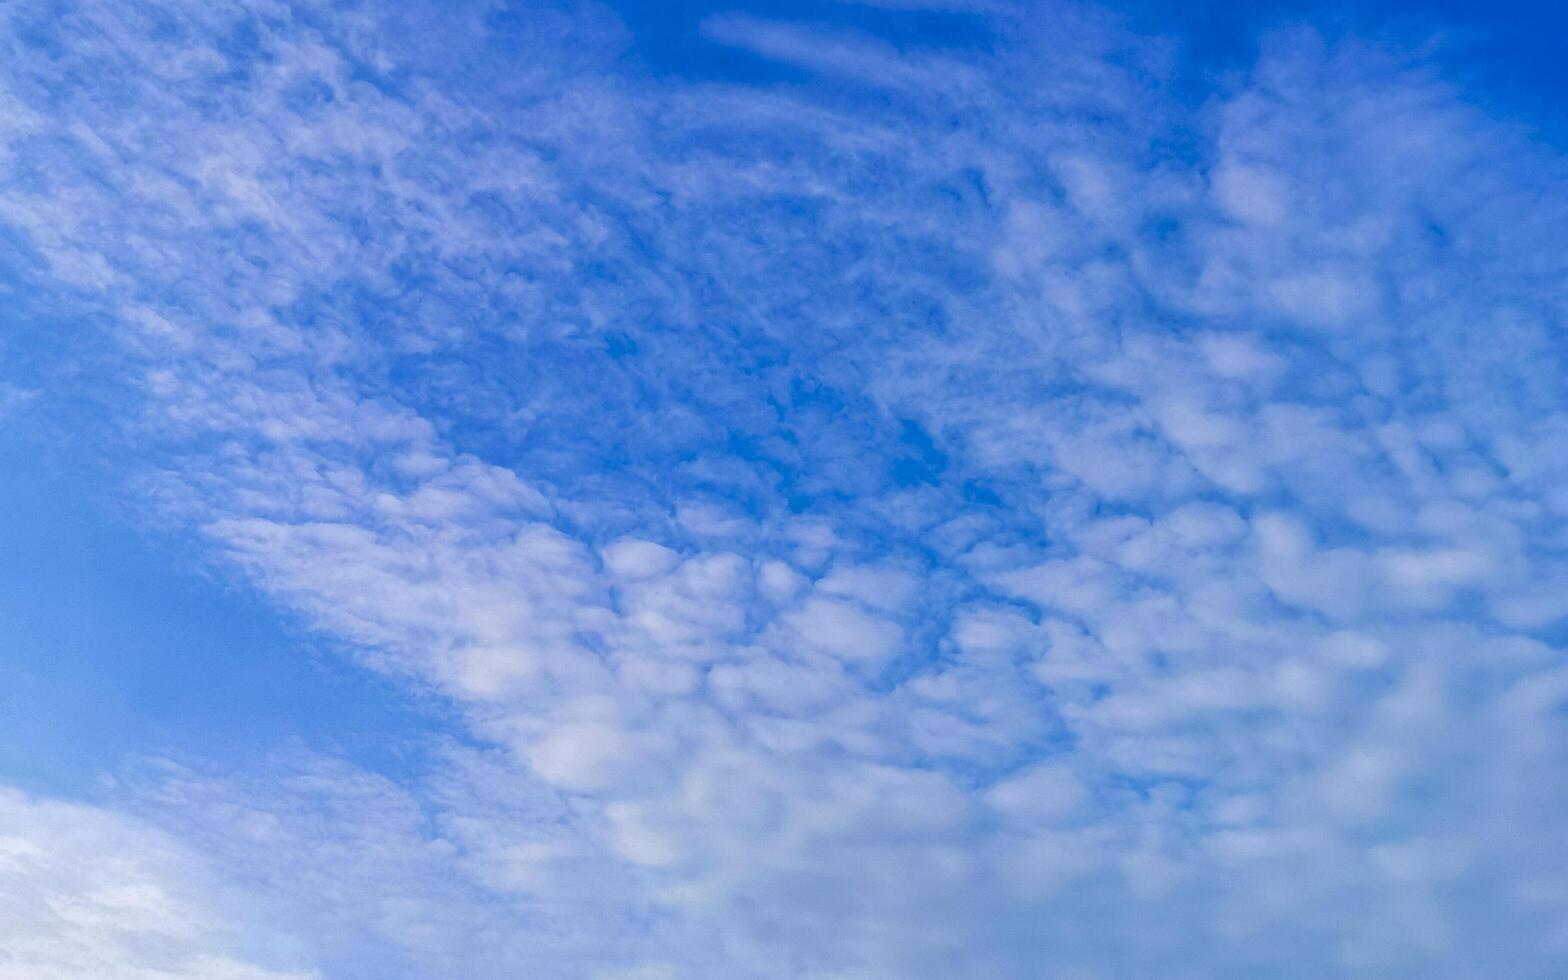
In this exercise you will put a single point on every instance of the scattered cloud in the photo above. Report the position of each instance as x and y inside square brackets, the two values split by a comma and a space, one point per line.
[953, 513]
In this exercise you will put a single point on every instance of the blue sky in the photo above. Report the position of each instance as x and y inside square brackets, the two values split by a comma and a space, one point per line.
[914, 488]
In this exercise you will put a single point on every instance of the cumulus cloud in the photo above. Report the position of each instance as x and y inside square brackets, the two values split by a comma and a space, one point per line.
[955, 513]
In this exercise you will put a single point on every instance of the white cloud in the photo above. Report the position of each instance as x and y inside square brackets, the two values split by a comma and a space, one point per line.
[90, 892]
[892, 523]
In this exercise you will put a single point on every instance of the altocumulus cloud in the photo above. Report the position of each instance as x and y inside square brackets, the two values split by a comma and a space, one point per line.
[925, 511]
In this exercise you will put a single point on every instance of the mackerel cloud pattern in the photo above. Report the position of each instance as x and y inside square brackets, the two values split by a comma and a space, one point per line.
[1016, 505]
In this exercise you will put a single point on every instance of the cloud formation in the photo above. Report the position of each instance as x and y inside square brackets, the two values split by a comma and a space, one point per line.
[943, 513]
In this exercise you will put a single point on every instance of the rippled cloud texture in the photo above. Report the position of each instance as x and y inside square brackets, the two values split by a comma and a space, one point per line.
[1020, 508]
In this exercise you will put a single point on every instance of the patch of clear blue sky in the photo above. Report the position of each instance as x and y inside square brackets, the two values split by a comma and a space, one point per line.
[113, 643]
[114, 640]
[1516, 42]
[1507, 52]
